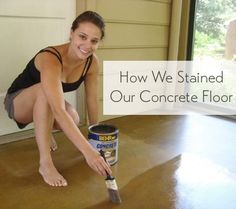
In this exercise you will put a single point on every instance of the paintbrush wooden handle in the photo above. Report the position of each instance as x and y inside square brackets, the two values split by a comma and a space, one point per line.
[103, 155]
[109, 177]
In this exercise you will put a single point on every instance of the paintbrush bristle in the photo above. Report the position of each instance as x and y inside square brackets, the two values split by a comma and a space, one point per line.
[111, 185]
[113, 190]
[114, 196]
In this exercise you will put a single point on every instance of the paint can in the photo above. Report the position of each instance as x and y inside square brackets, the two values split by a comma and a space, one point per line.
[105, 137]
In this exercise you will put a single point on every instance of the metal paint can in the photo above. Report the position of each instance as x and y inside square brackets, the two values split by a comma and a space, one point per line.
[105, 137]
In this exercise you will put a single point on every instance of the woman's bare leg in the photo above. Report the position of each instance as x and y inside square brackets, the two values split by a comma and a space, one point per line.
[37, 109]
[43, 122]
[74, 115]
[53, 144]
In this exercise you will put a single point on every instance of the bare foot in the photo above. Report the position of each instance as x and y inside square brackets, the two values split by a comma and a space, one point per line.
[53, 144]
[51, 175]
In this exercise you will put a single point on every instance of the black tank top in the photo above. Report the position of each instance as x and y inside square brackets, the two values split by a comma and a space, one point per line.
[31, 75]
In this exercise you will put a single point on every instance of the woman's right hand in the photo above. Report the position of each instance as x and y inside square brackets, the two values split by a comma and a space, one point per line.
[96, 162]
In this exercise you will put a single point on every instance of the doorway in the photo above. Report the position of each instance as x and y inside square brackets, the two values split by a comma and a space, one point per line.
[212, 37]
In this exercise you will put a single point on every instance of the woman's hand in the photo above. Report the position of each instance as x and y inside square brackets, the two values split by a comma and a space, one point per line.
[96, 162]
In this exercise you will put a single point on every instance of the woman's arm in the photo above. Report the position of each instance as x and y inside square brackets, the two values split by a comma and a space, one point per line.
[91, 90]
[50, 71]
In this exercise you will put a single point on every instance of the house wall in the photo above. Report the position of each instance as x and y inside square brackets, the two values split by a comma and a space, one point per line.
[135, 30]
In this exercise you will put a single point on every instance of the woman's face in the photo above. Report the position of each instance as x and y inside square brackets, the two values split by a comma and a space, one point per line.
[85, 39]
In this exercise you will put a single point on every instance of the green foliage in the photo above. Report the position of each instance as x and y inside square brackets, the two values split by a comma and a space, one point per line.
[211, 17]
[202, 39]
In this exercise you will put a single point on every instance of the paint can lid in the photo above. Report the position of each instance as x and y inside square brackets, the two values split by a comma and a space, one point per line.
[103, 129]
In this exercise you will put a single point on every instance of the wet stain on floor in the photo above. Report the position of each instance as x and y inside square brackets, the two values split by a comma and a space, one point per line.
[185, 182]
[164, 163]
[152, 189]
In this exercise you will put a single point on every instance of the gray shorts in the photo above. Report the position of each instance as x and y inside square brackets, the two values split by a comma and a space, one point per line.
[9, 107]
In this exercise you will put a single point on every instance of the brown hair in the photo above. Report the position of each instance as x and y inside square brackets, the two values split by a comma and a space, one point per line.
[90, 16]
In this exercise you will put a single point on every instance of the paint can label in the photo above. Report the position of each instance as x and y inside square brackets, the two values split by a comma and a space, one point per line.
[105, 137]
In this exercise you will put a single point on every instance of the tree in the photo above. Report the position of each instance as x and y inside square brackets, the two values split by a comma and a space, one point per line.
[211, 15]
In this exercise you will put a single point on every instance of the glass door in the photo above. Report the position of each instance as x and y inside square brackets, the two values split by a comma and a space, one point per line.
[215, 30]
[213, 38]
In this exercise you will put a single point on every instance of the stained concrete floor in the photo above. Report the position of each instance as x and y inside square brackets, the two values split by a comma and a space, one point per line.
[165, 162]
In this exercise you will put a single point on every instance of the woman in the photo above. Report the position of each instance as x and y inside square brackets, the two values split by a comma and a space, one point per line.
[36, 95]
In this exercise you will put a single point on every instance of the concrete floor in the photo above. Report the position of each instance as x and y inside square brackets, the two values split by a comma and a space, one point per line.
[165, 162]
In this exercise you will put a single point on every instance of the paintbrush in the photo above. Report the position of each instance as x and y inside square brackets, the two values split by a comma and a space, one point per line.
[111, 185]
